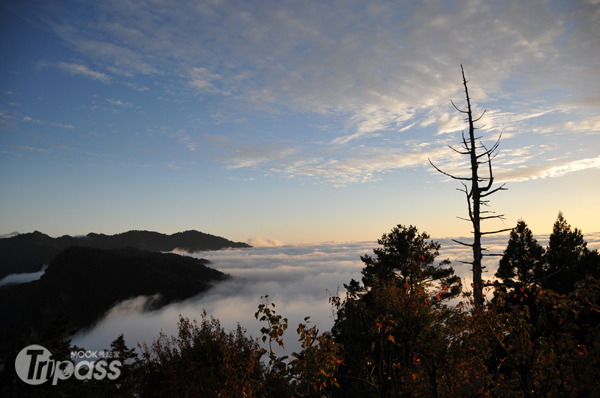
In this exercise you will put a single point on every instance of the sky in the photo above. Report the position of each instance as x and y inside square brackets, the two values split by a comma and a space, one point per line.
[293, 121]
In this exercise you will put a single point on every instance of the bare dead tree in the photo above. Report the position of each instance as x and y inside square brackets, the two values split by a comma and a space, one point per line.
[480, 188]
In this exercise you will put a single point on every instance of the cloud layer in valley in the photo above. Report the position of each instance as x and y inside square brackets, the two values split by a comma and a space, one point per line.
[22, 278]
[298, 279]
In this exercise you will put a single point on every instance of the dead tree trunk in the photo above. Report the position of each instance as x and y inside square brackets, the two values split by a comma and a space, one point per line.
[475, 193]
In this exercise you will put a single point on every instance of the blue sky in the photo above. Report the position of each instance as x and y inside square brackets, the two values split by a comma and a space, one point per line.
[292, 121]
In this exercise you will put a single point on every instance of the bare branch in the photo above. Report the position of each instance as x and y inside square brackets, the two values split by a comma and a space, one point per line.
[457, 151]
[486, 153]
[464, 140]
[491, 180]
[479, 118]
[465, 190]
[499, 216]
[456, 107]
[491, 150]
[461, 243]
[496, 232]
[501, 188]
[449, 175]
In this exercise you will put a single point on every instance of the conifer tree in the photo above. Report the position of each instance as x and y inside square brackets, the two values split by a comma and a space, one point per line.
[396, 314]
[58, 337]
[520, 264]
[522, 258]
[567, 258]
[408, 259]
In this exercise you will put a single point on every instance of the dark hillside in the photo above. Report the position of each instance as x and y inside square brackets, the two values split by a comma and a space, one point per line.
[87, 282]
[146, 240]
[29, 252]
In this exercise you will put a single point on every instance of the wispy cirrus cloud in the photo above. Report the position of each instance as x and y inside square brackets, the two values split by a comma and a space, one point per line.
[65, 126]
[381, 69]
[554, 169]
[252, 156]
[173, 165]
[384, 62]
[24, 147]
[82, 70]
[32, 120]
[202, 80]
[359, 165]
[119, 103]
[591, 125]
[510, 157]
[450, 124]
[137, 87]
[121, 59]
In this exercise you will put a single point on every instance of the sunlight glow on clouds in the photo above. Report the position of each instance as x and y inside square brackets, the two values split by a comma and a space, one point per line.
[556, 169]
[257, 241]
[588, 125]
[448, 124]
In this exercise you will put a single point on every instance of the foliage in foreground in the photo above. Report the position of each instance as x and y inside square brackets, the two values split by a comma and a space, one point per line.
[395, 335]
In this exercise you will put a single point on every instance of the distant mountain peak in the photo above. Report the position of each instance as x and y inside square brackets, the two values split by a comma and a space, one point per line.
[28, 252]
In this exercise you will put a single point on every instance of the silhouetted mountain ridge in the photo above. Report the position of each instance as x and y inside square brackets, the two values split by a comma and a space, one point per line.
[29, 252]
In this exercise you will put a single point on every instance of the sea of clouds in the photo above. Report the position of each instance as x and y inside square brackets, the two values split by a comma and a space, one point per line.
[298, 279]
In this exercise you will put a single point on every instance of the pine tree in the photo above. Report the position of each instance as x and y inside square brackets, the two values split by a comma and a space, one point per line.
[567, 259]
[522, 258]
[396, 315]
[519, 266]
[407, 258]
[57, 337]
